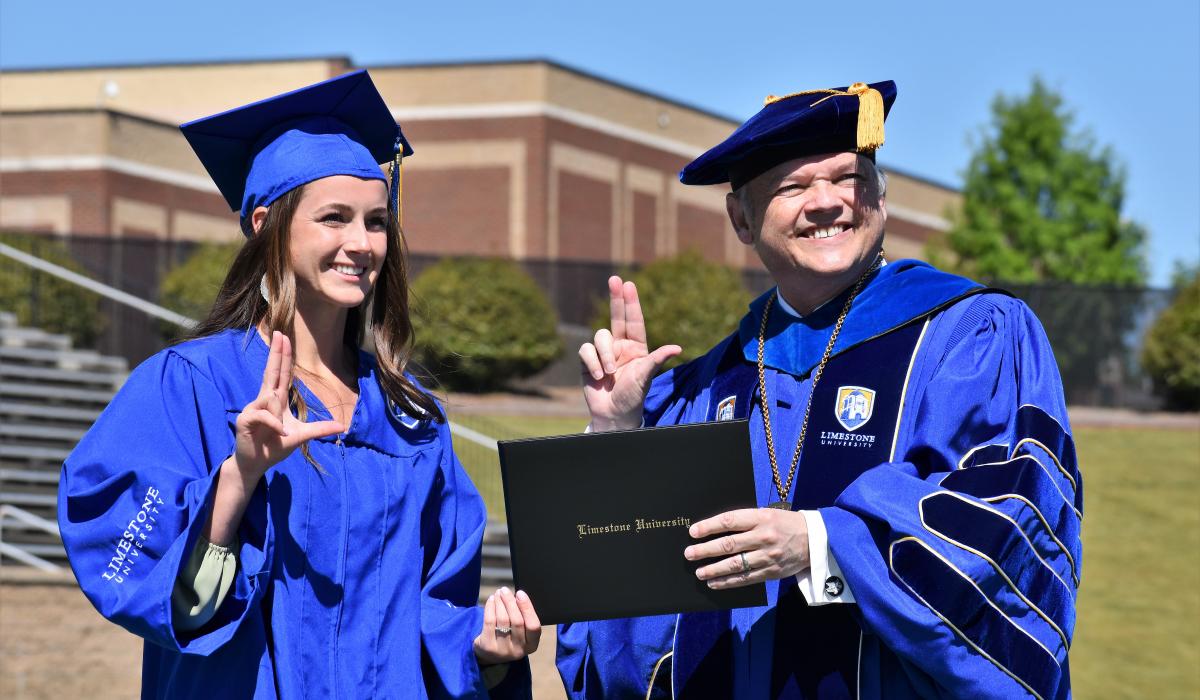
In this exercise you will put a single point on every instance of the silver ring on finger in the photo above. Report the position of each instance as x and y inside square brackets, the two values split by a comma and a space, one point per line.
[503, 630]
[745, 564]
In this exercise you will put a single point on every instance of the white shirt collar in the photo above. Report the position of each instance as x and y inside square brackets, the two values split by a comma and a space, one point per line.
[788, 309]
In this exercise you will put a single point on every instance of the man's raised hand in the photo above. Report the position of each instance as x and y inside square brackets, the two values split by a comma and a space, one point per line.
[617, 365]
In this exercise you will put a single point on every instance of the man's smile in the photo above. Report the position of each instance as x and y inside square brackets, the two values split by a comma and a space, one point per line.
[820, 232]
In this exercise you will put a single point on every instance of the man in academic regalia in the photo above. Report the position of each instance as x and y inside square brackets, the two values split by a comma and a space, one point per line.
[920, 504]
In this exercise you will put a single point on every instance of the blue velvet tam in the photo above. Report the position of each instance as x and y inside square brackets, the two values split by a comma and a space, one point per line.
[257, 153]
[801, 124]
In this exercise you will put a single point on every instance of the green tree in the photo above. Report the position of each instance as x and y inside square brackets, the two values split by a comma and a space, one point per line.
[44, 301]
[191, 288]
[1171, 353]
[1042, 203]
[687, 301]
[482, 322]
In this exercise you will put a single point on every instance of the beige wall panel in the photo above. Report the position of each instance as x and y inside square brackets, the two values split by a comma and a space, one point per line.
[171, 93]
[646, 181]
[590, 164]
[51, 212]
[508, 153]
[709, 197]
[541, 88]
[153, 143]
[100, 140]
[646, 216]
[898, 248]
[143, 217]
[178, 93]
[636, 110]
[190, 226]
[37, 135]
[921, 202]
[404, 87]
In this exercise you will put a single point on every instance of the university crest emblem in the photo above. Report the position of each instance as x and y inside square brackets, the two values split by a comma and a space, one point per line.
[725, 408]
[854, 406]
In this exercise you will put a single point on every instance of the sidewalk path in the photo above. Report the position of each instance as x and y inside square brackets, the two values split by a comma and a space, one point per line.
[1094, 417]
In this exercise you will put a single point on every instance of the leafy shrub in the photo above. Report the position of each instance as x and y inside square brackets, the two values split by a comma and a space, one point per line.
[1171, 354]
[686, 300]
[191, 288]
[44, 301]
[482, 322]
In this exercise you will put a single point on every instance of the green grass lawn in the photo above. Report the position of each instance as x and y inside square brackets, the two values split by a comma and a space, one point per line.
[1138, 628]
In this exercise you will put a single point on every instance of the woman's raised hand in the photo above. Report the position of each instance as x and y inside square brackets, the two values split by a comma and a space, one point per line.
[618, 365]
[267, 432]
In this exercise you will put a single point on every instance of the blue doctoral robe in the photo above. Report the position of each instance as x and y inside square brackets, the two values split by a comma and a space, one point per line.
[960, 543]
[359, 579]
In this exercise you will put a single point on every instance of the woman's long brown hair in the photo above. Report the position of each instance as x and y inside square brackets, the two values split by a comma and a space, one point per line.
[240, 305]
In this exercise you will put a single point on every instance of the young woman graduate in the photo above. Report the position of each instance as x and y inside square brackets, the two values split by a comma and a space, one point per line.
[277, 512]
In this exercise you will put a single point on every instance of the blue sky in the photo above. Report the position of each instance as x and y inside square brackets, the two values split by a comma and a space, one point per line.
[1130, 72]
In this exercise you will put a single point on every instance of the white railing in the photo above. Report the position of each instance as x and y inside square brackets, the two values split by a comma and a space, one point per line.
[10, 513]
[98, 287]
[474, 436]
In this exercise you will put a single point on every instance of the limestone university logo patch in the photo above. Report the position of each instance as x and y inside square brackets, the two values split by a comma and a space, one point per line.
[854, 406]
[725, 408]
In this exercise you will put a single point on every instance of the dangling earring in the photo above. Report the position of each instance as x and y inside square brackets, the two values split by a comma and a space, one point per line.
[262, 289]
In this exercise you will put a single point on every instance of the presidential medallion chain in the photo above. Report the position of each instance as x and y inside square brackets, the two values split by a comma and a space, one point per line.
[765, 404]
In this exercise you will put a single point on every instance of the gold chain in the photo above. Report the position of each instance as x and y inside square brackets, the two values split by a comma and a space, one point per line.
[782, 488]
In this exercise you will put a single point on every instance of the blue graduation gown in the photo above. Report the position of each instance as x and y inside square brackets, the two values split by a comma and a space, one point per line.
[960, 543]
[356, 580]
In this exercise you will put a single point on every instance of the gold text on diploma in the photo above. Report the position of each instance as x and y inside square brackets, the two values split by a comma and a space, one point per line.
[638, 525]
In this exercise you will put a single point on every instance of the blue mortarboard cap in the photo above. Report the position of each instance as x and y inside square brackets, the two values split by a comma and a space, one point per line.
[794, 126]
[258, 152]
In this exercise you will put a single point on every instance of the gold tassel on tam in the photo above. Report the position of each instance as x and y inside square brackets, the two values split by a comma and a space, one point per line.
[870, 111]
[870, 116]
[396, 175]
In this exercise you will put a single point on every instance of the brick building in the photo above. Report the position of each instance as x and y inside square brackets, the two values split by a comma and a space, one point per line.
[523, 159]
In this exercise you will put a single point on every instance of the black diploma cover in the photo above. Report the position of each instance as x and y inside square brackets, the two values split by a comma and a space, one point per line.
[597, 523]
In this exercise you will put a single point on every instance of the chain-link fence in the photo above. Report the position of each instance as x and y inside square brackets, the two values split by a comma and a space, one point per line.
[1096, 332]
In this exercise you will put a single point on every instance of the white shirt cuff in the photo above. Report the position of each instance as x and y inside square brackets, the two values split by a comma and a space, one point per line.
[588, 429]
[822, 583]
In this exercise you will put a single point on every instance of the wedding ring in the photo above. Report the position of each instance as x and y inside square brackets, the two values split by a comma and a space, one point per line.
[503, 630]
[745, 564]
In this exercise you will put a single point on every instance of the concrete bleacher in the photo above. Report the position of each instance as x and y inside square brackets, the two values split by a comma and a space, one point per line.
[50, 394]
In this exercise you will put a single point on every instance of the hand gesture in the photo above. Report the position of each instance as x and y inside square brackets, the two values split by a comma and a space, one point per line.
[511, 629]
[767, 543]
[267, 432]
[618, 366]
